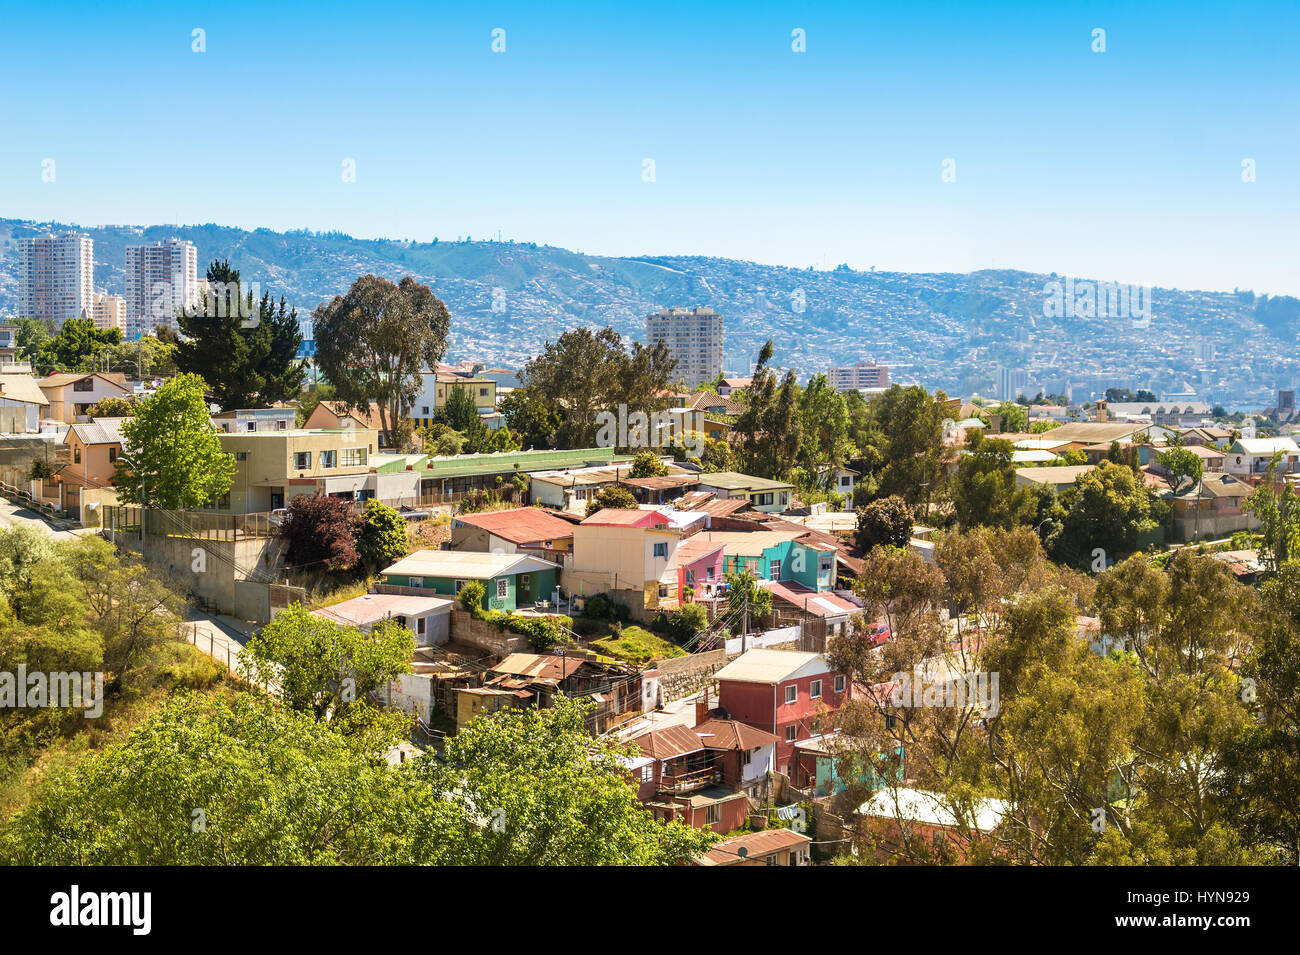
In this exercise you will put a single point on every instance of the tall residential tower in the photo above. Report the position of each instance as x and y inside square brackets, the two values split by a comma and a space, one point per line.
[161, 279]
[693, 337]
[56, 277]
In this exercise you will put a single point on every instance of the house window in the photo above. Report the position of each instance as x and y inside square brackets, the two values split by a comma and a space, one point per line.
[826, 563]
[776, 570]
[791, 694]
[663, 590]
[241, 455]
[772, 860]
[354, 457]
[282, 425]
[482, 392]
[401, 621]
[460, 585]
[424, 411]
[328, 459]
[713, 815]
[76, 455]
[112, 455]
[419, 624]
[815, 690]
[648, 773]
[503, 588]
[526, 586]
[761, 500]
[839, 683]
[661, 549]
[690, 577]
[791, 733]
[419, 582]
[250, 426]
[84, 384]
[302, 460]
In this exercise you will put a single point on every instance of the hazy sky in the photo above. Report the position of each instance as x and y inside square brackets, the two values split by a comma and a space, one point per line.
[1125, 164]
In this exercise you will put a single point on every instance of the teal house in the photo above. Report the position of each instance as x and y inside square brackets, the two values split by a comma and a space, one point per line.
[776, 555]
[510, 581]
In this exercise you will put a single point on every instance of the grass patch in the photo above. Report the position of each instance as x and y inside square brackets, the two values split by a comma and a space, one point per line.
[637, 645]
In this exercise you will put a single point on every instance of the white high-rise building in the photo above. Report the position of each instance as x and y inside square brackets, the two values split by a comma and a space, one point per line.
[161, 279]
[864, 374]
[693, 337]
[56, 277]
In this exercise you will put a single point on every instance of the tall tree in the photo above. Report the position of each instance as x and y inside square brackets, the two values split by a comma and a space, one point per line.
[171, 457]
[985, 491]
[768, 430]
[217, 346]
[374, 342]
[585, 373]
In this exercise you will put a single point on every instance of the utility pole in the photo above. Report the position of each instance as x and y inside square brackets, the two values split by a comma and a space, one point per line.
[744, 627]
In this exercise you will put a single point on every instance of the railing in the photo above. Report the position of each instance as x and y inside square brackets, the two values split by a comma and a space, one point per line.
[690, 781]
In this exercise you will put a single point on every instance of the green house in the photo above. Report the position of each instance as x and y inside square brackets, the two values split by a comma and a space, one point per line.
[510, 581]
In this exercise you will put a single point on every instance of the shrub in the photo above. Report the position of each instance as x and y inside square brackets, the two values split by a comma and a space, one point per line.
[381, 541]
[320, 530]
[471, 598]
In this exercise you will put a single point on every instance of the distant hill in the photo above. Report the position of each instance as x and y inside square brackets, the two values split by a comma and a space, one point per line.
[946, 330]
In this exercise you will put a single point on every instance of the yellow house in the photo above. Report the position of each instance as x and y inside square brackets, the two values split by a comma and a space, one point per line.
[435, 387]
[70, 394]
[626, 553]
[272, 467]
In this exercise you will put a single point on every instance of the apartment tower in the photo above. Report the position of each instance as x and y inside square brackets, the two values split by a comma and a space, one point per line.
[693, 337]
[161, 280]
[56, 277]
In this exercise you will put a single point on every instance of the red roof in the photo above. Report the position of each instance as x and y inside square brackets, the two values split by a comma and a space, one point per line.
[626, 517]
[824, 604]
[756, 845]
[731, 734]
[520, 525]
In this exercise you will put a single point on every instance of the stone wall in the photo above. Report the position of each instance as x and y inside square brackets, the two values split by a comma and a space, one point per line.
[683, 676]
[481, 634]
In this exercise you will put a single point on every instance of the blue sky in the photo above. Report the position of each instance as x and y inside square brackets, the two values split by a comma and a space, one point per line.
[1122, 165]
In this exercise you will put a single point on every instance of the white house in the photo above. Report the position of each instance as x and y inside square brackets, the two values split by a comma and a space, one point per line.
[1251, 456]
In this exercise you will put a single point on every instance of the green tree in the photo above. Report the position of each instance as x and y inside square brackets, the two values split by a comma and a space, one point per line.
[217, 345]
[321, 667]
[1106, 509]
[986, 492]
[884, 523]
[1181, 464]
[373, 343]
[744, 593]
[584, 373]
[532, 419]
[768, 431]
[171, 457]
[381, 540]
[647, 464]
[269, 785]
[1014, 417]
[613, 496]
[72, 348]
[531, 787]
[111, 408]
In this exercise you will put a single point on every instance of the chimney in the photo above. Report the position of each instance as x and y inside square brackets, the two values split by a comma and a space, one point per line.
[1102, 414]
[702, 708]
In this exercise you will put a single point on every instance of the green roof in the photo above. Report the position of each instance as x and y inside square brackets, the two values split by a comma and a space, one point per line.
[506, 462]
[396, 463]
[735, 481]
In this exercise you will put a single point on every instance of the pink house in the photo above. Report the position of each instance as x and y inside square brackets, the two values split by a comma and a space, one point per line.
[699, 566]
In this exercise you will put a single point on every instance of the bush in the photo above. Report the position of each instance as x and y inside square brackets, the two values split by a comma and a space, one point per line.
[320, 530]
[471, 598]
[381, 541]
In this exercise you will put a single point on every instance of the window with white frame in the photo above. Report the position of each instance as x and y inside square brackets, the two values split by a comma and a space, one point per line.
[460, 585]
[661, 549]
[713, 815]
[648, 773]
[791, 694]
[839, 683]
[815, 689]
[419, 582]
[503, 588]
[302, 460]
[328, 459]
[791, 733]
[419, 624]
[776, 570]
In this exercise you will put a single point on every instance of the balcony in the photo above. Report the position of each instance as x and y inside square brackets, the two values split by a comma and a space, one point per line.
[690, 780]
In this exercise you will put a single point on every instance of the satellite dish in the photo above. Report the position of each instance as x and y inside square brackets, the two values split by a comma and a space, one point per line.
[742, 852]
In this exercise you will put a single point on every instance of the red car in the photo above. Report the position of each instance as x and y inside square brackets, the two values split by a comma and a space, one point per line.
[877, 633]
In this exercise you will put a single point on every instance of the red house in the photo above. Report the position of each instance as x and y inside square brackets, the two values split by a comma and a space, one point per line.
[789, 694]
